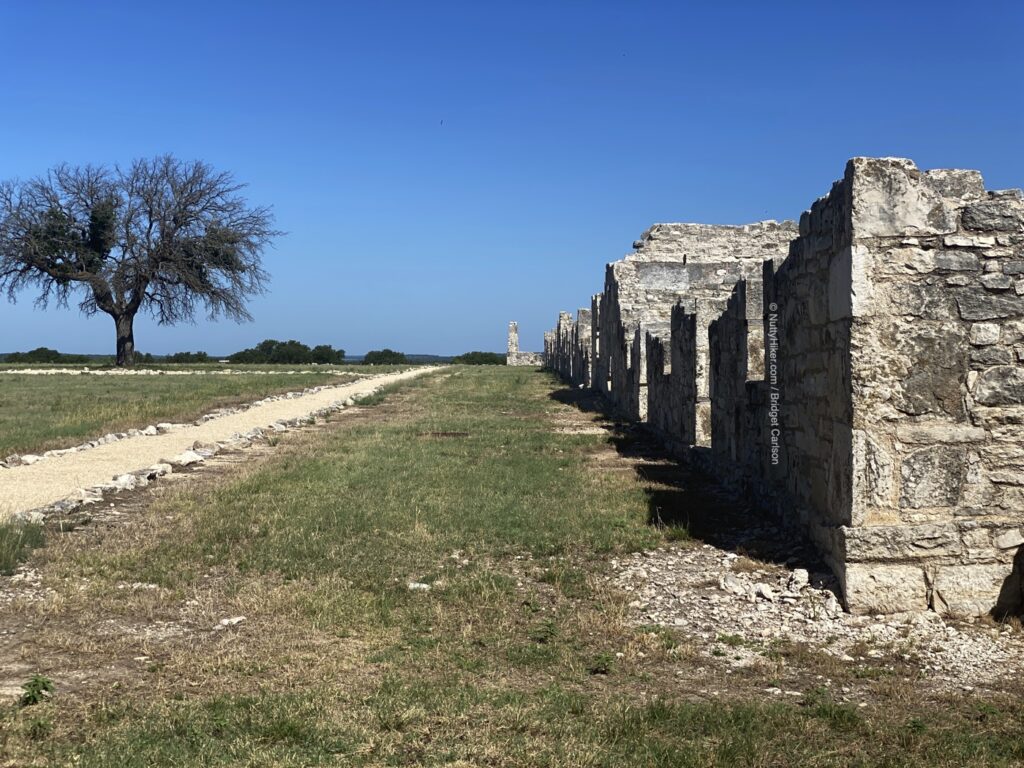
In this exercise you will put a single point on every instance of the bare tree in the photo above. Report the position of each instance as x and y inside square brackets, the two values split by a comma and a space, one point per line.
[162, 235]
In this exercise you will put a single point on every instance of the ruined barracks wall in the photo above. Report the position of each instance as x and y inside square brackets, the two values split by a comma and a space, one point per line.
[862, 376]
[696, 264]
[898, 368]
[581, 349]
[933, 292]
[569, 348]
[514, 357]
[598, 375]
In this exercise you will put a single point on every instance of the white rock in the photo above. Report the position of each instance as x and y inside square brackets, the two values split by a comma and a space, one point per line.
[732, 584]
[832, 607]
[418, 586]
[1009, 540]
[185, 459]
[30, 458]
[798, 579]
[765, 592]
[150, 431]
[126, 482]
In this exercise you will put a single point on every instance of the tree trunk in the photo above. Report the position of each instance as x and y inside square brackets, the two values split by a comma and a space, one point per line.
[125, 339]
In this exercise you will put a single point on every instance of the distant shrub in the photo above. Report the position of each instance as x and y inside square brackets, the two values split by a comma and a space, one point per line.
[326, 354]
[288, 352]
[188, 357]
[38, 355]
[384, 357]
[480, 358]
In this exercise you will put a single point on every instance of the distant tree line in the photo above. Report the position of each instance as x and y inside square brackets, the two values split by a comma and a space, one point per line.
[480, 358]
[46, 355]
[267, 352]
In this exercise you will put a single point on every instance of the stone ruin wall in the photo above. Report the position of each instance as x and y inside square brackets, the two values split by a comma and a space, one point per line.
[692, 264]
[898, 312]
[514, 357]
[936, 364]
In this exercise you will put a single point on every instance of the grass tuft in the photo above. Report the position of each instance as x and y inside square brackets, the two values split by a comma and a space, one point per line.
[17, 540]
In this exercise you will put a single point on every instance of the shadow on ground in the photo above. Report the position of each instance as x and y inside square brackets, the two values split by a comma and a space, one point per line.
[680, 495]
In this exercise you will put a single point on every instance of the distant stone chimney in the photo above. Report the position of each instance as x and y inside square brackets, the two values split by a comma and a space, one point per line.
[513, 338]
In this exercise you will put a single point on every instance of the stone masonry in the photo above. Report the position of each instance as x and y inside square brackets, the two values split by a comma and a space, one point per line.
[860, 376]
[691, 265]
[514, 356]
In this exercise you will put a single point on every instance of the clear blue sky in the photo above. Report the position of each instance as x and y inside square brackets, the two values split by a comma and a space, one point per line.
[444, 167]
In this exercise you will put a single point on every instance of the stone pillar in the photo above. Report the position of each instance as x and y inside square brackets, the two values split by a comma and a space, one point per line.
[513, 338]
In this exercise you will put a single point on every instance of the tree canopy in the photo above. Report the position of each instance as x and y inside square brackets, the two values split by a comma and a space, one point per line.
[187, 357]
[291, 352]
[162, 235]
[383, 357]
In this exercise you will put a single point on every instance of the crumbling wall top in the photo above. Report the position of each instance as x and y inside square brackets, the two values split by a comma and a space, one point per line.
[705, 243]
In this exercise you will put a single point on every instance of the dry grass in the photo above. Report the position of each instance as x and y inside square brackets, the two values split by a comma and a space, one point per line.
[518, 654]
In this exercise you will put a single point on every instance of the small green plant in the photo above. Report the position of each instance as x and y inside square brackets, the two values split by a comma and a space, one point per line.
[663, 636]
[36, 690]
[985, 711]
[677, 533]
[821, 704]
[733, 641]
[17, 540]
[38, 728]
[543, 632]
[916, 725]
[601, 664]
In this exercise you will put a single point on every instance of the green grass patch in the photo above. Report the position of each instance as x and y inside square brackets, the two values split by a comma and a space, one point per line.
[17, 540]
[53, 411]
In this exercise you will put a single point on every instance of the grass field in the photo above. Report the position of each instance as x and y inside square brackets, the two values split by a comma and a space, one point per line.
[56, 411]
[518, 654]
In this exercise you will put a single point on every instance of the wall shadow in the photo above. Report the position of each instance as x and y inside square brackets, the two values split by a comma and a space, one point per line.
[1011, 595]
[681, 494]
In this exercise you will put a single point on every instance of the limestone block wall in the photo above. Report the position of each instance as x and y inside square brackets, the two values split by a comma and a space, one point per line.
[728, 345]
[693, 263]
[861, 376]
[581, 349]
[897, 442]
[563, 346]
[936, 361]
[598, 373]
[569, 348]
[664, 414]
[549, 350]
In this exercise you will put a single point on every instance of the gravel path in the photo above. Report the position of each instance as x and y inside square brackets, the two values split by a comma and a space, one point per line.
[37, 485]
